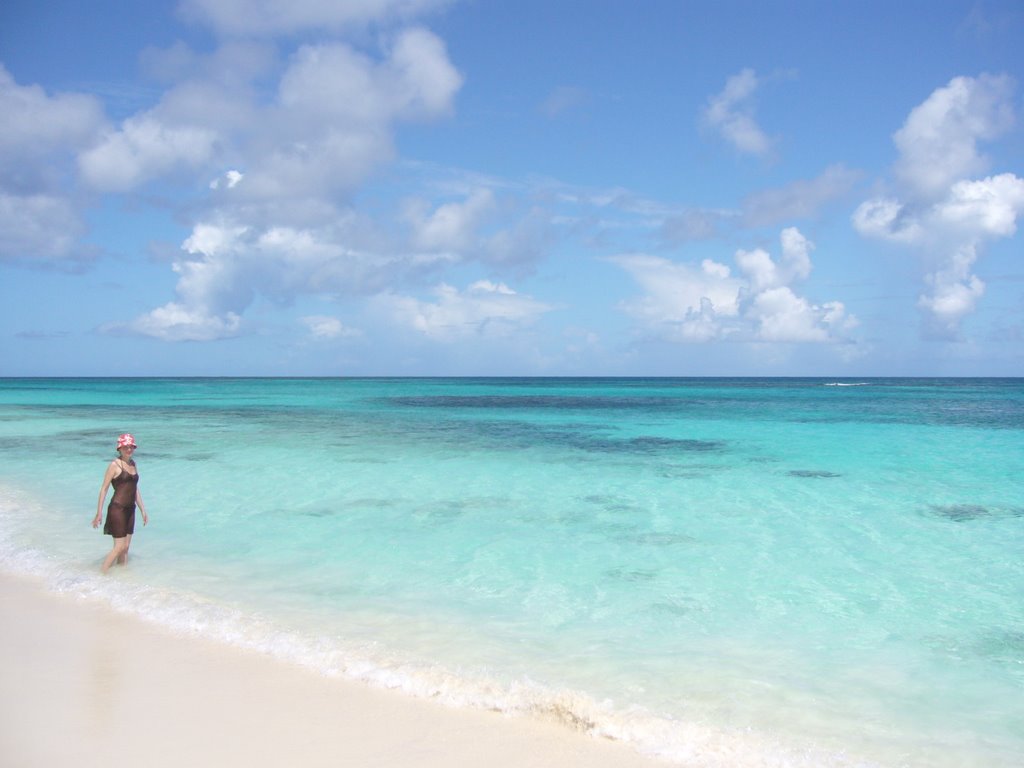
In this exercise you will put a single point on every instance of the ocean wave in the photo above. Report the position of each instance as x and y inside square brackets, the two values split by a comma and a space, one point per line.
[847, 383]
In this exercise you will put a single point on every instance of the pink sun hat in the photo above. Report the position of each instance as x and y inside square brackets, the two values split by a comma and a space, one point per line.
[126, 440]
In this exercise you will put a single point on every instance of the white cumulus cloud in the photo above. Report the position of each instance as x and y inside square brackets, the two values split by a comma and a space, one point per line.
[685, 303]
[693, 303]
[279, 223]
[451, 227]
[38, 226]
[39, 133]
[335, 81]
[144, 148]
[938, 143]
[229, 180]
[484, 309]
[888, 219]
[945, 212]
[327, 327]
[34, 122]
[332, 123]
[983, 208]
[781, 315]
[176, 322]
[226, 265]
[954, 292]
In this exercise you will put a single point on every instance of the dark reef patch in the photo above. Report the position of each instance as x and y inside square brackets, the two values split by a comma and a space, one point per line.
[643, 446]
[542, 402]
[684, 472]
[102, 437]
[635, 575]
[665, 539]
[812, 473]
[962, 513]
[613, 504]
[1005, 646]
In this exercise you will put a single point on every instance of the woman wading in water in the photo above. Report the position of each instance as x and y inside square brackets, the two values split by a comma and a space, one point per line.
[124, 476]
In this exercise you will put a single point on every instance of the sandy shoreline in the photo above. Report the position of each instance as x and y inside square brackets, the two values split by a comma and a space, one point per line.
[83, 685]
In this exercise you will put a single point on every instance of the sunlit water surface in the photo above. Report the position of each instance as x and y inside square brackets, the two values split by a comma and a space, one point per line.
[719, 571]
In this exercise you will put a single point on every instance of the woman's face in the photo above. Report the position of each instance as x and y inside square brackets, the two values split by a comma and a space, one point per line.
[127, 450]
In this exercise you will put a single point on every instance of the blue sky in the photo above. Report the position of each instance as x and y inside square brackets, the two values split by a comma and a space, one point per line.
[434, 187]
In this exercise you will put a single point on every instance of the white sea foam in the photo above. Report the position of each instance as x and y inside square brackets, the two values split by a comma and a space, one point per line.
[847, 383]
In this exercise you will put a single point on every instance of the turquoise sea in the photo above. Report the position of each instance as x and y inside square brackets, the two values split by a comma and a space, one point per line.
[722, 572]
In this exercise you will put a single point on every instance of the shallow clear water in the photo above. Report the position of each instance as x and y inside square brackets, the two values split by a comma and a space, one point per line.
[721, 571]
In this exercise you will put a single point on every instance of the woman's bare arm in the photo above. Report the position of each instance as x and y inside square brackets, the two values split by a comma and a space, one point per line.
[112, 471]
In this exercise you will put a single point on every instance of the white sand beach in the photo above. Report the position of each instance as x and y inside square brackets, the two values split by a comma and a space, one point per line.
[83, 685]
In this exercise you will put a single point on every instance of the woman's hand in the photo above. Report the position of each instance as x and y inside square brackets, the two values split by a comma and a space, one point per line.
[97, 520]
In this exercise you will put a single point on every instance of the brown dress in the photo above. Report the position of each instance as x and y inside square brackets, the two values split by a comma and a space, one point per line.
[121, 510]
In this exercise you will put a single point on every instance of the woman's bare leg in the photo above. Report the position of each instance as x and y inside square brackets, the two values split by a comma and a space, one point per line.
[119, 550]
[123, 559]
